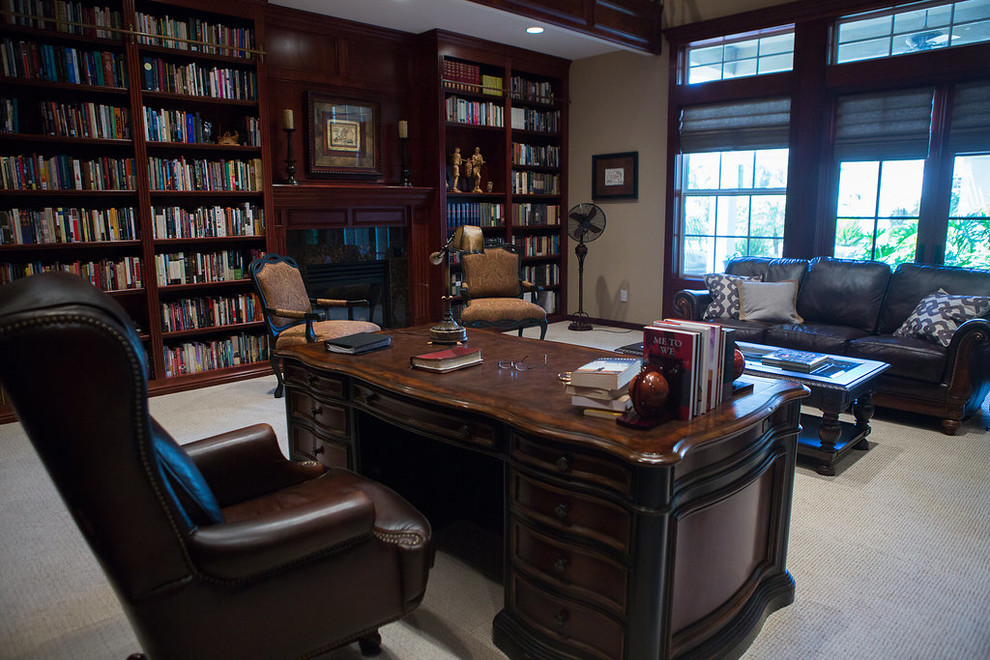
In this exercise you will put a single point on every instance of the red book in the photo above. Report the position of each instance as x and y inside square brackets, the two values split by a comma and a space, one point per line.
[448, 359]
[677, 353]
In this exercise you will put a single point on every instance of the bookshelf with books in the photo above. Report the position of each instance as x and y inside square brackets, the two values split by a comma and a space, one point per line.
[507, 104]
[131, 131]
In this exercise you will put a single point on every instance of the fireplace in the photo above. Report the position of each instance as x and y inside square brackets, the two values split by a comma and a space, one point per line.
[356, 263]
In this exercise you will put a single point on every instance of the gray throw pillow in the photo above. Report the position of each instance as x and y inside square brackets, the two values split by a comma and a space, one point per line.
[939, 315]
[773, 302]
[724, 289]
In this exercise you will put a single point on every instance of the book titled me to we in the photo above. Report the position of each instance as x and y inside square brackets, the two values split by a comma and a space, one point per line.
[676, 352]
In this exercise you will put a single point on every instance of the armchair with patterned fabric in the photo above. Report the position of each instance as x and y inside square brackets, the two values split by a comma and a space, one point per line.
[492, 290]
[289, 311]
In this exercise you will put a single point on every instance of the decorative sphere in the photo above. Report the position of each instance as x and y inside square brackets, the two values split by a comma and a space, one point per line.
[649, 391]
[738, 364]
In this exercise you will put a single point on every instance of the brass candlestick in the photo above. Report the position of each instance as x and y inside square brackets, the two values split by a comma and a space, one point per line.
[405, 160]
[290, 162]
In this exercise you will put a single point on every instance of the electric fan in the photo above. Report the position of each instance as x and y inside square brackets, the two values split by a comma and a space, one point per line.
[585, 223]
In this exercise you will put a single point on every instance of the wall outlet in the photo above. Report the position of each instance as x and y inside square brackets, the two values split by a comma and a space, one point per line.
[623, 295]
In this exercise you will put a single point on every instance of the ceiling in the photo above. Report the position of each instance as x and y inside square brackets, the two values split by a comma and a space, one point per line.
[462, 16]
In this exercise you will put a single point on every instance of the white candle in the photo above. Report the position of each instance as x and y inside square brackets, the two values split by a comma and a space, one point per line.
[403, 128]
[287, 119]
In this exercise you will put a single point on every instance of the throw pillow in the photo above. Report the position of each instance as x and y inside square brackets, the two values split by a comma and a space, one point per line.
[939, 314]
[724, 289]
[773, 302]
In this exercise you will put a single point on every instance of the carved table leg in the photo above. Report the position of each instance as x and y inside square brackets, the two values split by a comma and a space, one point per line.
[863, 412]
[829, 432]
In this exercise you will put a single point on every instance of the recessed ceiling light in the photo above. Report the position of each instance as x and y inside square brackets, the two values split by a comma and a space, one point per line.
[534, 30]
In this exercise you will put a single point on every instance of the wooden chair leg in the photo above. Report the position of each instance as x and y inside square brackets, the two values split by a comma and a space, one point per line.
[371, 644]
[277, 368]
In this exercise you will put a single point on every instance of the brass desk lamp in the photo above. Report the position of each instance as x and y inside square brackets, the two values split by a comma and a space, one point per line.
[466, 238]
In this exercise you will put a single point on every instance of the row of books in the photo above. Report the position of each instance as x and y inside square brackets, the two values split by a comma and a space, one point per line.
[483, 214]
[468, 77]
[542, 274]
[85, 120]
[198, 356]
[210, 312]
[201, 174]
[63, 172]
[106, 274]
[228, 40]
[697, 361]
[535, 183]
[31, 61]
[190, 128]
[476, 113]
[539, 155]
[208, 221]
[201, 267]
[545, 299]
[538, 246]
[197, 80]
[70, 17]
[531, 90]
[67, 225]
[528, 119]
[529, 214]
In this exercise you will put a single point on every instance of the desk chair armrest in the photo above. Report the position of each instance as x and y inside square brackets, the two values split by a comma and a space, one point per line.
[337, 302]
[529, 286]
[293, 313]
[247, 463]
[277, 540]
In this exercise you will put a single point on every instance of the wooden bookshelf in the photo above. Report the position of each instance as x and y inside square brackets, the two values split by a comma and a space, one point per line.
[511, 105]
[111, 119]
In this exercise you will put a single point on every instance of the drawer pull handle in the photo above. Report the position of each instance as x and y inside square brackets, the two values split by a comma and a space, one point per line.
[316, 410]
[560, 567]
[369, 397]
[310, 378]
[561, 511]
[560, 619]
[319, 449]
[564, 464]
[464, 431]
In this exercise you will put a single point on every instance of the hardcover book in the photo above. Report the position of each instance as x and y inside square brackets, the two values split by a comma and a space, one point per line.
[446, 360]
[362, 342]
[608, 372]
[677, 353]
[786, 358]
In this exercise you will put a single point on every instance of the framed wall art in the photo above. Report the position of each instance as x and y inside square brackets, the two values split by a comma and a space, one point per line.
[344, 136]
[615, 175]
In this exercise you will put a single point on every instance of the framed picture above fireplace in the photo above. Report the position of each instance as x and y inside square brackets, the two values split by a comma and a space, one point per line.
[343, 136]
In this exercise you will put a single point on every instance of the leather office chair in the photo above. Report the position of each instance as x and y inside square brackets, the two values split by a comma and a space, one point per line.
[492, 290]
[220, 548]
[288, 309]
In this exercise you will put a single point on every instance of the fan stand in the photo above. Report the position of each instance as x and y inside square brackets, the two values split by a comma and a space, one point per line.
[581, 321]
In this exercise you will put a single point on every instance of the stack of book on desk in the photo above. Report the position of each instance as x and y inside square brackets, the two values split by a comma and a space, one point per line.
[601, 386]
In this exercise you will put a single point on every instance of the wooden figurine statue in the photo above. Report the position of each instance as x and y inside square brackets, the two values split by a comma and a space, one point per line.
[455, 165]
[476, 162]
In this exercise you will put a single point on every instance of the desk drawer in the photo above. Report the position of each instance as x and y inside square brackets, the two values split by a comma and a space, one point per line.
[324, 386]
[306, 444]
[583, 573]
[589, 467]
[591, 517]
[588, 633]
[325, 416]
[458, 428]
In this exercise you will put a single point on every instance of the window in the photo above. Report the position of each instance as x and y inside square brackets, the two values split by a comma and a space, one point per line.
[911, 28]
[968, 235]
[740, 55]
[733, 187]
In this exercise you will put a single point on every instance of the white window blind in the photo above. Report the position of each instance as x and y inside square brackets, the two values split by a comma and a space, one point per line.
[761, 123]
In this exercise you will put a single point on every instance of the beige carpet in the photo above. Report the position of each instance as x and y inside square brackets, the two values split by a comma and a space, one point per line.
[891, 556]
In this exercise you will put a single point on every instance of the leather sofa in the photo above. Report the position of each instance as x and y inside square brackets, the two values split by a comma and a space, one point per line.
[854, 308]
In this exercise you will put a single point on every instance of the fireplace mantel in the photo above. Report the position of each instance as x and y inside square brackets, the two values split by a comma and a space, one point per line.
[336, 195]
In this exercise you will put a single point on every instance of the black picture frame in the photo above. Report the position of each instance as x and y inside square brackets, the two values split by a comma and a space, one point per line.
[615, 176]
[343, 136]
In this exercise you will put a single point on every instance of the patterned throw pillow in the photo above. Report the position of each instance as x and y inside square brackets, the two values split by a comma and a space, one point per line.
[724, 289]
[939, 314]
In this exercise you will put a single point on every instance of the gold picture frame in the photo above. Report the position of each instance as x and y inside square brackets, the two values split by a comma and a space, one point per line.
[344, 136]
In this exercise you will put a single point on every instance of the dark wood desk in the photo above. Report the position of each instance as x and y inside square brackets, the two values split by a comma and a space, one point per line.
[618, 543]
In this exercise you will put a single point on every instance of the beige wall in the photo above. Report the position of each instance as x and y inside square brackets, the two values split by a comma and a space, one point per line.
[619, 103]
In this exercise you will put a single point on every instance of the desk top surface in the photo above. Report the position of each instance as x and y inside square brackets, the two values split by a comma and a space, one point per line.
[534, 400]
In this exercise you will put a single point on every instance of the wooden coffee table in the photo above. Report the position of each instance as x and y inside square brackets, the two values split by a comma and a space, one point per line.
[836, 386]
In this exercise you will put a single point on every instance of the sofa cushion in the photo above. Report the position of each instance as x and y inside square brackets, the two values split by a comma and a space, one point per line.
[912, 282]
[909, 357]
[769, 269]
[817, 337]
[772, 302]
[939, 314]
[724, 290]
[843, 292]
